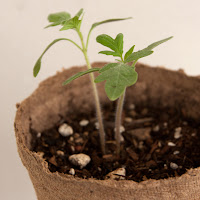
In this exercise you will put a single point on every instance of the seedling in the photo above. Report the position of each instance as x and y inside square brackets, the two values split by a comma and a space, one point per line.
[120, 75]
[67, 22]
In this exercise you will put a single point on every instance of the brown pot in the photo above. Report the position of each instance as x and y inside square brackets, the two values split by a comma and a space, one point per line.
[156, 87]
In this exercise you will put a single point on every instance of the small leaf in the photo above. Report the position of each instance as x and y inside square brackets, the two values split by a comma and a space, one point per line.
[107, 21]
[37, 67]
[115, 44]
[110, 53]
[155, 44]
[79, 74]
[73, 22]
[119, 42]
[145, 52]
[79, 13]
[137, 55]
[107, 41]
[129, 52]
[118, 76]
[58, 18]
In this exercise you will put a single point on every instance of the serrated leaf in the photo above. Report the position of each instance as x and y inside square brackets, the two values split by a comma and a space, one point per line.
[58, 18]
[145, 52]
[79, 74]
[155, 44]
[129, 52]
[107, 41]
[137, 55]
[115, 44]
[110, 53]
[118, 76]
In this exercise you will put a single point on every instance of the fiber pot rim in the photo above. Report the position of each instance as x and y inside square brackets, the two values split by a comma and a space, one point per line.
[27, 113]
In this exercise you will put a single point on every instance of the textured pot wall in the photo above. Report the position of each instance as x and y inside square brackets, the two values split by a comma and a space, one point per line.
[156, 87]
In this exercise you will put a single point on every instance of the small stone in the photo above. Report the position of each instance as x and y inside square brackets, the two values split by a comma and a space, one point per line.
[60, 153]
[118, 174]
[165, 124]
[84, 122]
[156, 128]
[39, 135]
[121, 129]
[128, 119]
[80, 160]
[159, 144]
[171, 144]
[65, 130]
[177, 135]
[72, 171]
[193, 134]
[132, 106]
[173, 165]
[71, 139]
[176, 152]
[141, 145]
[79, 140]
[165, 166]
[96, 124]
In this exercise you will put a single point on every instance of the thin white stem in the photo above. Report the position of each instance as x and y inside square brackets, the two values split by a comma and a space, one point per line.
[96, 97]
[118, 122]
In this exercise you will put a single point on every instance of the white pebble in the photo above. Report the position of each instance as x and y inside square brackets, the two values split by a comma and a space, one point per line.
[176, 152]
[121, 129]
[72, 171]
[39, 135]
[118, 174]
[173, 165]
[132, 106]
[84, 122]
[193, 134]
[80, 160]
[177, 135]
[171, 144]
[165, 124]
[156, 128]
[96, 125]
[65, 130]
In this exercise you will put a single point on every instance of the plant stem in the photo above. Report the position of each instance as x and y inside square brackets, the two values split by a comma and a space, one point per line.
[96, 96]
[118, 121]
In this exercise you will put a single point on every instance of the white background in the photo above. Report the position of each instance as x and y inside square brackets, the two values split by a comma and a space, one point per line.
[22, 40]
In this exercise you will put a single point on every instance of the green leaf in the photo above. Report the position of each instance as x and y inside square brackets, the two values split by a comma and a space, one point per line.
[119, 42]
[58, 18]
[104, 22]
[115, 44]
[79, 74]
[118, 76]
[110, 53]
[129, 52]
[73, 22]
[108, 21]
[107, 41]
[145, 52]
[155, 44]
[137, 55]
[37, 66]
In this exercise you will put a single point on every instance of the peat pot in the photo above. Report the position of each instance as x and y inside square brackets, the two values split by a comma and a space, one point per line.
[42, 110]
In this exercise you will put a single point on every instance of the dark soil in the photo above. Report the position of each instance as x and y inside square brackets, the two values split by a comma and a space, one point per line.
[149, 150]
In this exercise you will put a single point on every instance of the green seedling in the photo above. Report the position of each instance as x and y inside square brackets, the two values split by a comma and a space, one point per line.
[67, 22]
[118, 75]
